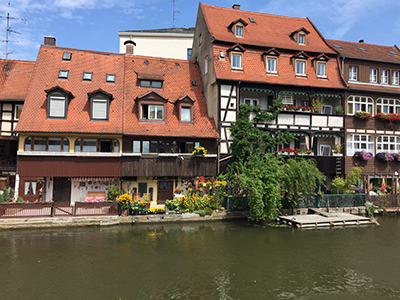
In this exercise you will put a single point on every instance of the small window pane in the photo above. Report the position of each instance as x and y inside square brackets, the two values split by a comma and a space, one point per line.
[57, 107]
[145, 83]
[189, 147]
[18, 110]
[78, 145]
[185, 114]
[99, 109]
[28, 142]
[136, 146]
[116, 146]
[89, 145]
[156, 84]
[236, 61]
[39, 144]
[161, 147]
[146, 146]
[271, 65]
[153, 146]
[110, 78]
[54, 144]
[87, 76]
[66, 145]
[67, 56]
[63, 74]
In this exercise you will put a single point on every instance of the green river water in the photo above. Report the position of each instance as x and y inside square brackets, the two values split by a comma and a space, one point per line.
[216, 260]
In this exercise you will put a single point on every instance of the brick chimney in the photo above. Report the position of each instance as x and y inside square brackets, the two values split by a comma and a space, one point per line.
[236, 6]
[50, 40]
[129, 46]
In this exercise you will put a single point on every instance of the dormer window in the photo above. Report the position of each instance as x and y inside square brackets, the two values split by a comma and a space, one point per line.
[239, 31]
[152, 107]
[151, 83]
[272, 65]
[271, 60]
[299, 62]
[301, 38]
[236, 56]
[57, 103]
[67, 56]
[99, 105]
[63, 74]
[321, 69]
[185, 104]
[87, 76]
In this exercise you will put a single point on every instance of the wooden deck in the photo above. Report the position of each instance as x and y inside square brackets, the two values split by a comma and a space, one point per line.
[324, 219]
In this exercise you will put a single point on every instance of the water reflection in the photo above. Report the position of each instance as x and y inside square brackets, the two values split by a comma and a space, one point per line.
[223, 260]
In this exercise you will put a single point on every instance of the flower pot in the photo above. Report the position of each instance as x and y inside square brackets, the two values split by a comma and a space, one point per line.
[124, 212]
[337, 154]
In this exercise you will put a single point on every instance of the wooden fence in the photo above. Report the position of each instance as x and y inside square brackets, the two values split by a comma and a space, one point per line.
[32, 210]
[387, 200]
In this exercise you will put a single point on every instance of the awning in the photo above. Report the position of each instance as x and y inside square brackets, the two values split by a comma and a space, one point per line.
[298, 133]
[92, 178]
[293, 93]
[256, 90]
[325, 135]
[327, 95]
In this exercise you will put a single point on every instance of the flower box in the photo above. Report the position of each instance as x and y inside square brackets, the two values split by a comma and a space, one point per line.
[385, 156]
[389, 117]
[363, 115]
[364, 155]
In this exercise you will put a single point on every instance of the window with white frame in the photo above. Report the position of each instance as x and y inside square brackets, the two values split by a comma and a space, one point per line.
[388, 143]
[384, 76]
[239, 31]
[327, 109]
[99, 109]
[250, 101]
[301, 38]
[384, 105]
[321, 69]
[236, 61]
[152, 112]
[286, 98]
[353, 73]
[300, 68]
[359, 142]
[395, 78]
[57, 107]
[373, 75]
[30, 188]
[356, 103]
[271, 65]
[186, 113]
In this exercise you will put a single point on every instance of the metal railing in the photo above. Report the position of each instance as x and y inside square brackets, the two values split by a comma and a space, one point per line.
[32, 210]
[331, 200]
[232, 203]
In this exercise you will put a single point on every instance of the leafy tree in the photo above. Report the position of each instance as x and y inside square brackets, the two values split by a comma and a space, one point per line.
[339, 184]
[347, 185]
[301, 176]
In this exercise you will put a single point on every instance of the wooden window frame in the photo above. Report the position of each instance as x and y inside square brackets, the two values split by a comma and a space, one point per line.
[241, 61]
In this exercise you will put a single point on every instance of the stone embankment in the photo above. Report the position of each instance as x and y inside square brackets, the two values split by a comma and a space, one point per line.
[19, 223]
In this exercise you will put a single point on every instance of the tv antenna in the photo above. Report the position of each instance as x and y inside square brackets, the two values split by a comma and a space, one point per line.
[9, 30]
[174, 12]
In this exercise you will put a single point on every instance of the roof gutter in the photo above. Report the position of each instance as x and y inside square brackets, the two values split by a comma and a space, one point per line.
[369, 90]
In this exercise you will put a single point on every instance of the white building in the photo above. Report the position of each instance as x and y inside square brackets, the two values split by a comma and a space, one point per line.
[168, 42]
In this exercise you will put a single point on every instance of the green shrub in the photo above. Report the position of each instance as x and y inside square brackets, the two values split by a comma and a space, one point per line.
[113, 193]
[208, 211]
[172, 204]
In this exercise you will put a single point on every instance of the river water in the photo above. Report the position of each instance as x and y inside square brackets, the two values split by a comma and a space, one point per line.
[216, 260]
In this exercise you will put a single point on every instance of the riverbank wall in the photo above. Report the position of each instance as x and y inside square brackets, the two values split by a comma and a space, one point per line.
[58, 222]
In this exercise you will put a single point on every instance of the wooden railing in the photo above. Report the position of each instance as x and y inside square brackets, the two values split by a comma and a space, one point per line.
[387, 200]
[32, 210]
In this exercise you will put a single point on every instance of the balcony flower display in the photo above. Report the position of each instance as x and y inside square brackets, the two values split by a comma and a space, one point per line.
[298, 108]
[296, 151]
[390, 117]
[359, 189]
[199, 150]
[397, 156]
[363, 115]
[364, 155]
[385, 156]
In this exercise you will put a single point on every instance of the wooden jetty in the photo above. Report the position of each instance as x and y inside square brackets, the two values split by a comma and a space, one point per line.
[320, 218]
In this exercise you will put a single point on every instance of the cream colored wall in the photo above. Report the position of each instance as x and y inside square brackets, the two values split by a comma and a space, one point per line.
[151, 183]
[158, 45]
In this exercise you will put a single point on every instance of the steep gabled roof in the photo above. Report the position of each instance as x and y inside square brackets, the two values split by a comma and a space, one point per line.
[370, 52]
[267, 31]
[15, 76]
[177, 75]
[45, 76]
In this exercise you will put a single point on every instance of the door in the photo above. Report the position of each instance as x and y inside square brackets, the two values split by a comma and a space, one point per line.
[62, 191]
[165, 191]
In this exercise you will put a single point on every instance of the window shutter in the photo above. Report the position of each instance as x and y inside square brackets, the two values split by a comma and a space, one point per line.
[57, 107]
[99, 109]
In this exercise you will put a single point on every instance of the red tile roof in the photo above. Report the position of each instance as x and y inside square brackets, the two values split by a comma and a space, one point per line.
[254, 70]
[15, 76]
[267, 31]
[177, 75]
[123, 119]
[374, 52]
[49, 63]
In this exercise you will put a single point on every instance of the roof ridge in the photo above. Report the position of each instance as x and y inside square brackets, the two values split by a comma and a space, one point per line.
[82, 50]
[253, 12]
[363, 43]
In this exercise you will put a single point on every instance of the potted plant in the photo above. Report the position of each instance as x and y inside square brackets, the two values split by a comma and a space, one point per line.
[113, 192]
[337, 150]
[389, 117]
[389, 189]
[124, 202]
[363, 115]
[385, 156]
[358, 189]
[364, 155]
[317, 104]
[135, 207]
[339, 110]
[199, 150]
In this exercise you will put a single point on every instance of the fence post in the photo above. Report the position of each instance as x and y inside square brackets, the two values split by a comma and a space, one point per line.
[52, 209]
[74, 209]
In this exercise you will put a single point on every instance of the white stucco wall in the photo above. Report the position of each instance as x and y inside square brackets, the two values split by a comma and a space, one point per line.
[166, 45]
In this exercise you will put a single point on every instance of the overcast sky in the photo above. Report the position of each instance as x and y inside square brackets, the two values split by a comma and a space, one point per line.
[94, 24]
